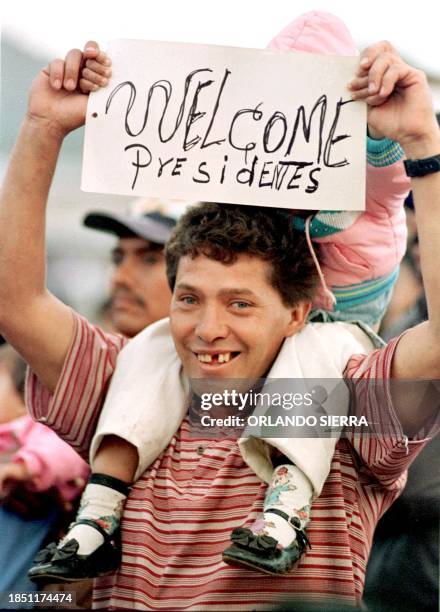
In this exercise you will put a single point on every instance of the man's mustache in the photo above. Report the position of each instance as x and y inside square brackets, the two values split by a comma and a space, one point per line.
[127, 294]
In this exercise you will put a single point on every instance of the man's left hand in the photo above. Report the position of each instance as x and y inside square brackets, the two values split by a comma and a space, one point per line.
[398, 95]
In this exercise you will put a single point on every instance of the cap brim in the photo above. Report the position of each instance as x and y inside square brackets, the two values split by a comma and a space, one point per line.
[124, 226]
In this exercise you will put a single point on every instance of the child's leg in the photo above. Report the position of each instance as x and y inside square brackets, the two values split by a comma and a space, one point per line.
[103, 499]
[290, 494]
[276, 540]
[116, 457]
[89, 549]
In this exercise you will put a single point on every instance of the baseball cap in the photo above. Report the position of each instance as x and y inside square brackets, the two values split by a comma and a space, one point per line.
[154, 226]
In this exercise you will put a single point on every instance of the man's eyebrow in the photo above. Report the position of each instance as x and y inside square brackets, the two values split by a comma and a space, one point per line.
[186, 287]
[223, 292]
[237, 291]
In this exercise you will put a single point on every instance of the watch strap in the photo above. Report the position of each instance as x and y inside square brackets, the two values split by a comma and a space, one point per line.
[421, 167]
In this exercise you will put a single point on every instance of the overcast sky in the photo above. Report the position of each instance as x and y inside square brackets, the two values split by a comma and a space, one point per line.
[51, 27]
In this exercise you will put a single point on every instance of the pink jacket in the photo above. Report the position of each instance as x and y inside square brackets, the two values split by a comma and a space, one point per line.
[372, 243]
[51, 461]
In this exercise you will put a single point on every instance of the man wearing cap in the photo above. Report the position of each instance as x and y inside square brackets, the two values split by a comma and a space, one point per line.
[139, 290]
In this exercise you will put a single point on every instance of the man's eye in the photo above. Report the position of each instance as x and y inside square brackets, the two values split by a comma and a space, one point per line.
[117, 258]
[240, 305]
[150, 259]
[188, 299]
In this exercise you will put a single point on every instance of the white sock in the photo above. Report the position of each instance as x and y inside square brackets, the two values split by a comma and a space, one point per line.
[103, 504]
[290, 492]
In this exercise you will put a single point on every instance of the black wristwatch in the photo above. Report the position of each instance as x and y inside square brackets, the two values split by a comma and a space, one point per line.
[420, 167]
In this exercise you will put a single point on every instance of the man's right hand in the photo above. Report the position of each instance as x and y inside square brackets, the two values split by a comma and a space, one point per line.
[58, 97]
[37, 324]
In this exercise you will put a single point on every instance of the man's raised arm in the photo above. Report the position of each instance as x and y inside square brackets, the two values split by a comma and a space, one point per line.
[36, 323]
[400, 107]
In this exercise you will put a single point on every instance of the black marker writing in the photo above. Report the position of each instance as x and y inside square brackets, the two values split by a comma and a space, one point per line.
[203, 173]
[137, 164]
[279, 150]
[166, 87]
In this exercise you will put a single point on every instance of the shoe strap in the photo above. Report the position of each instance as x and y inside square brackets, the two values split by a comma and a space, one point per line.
[107, 537]
[294, 522]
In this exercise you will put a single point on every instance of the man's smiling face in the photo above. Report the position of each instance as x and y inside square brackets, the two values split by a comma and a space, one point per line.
[227, 320]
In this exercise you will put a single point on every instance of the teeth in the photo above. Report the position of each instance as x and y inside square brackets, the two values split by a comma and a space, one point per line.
[204, 358]
[221, 357]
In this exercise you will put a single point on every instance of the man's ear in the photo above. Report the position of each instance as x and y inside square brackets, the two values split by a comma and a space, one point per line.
[299, 314]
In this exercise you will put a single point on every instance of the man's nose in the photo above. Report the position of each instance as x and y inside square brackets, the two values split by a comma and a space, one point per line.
[212, 324]
[123, 275]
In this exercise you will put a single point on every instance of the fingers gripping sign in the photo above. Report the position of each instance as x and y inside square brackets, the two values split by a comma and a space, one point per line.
[96, 69]
[394, 91]
[85, 71]
[59, 93]
[377, 72]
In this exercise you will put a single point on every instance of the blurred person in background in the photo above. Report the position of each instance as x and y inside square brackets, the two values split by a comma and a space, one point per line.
[408, 303]
[139, 292]
[40, 477]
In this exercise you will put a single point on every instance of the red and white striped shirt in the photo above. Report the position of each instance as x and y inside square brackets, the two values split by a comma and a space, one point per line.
[180, 513]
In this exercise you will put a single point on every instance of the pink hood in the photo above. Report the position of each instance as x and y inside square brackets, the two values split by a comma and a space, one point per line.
[315, 32]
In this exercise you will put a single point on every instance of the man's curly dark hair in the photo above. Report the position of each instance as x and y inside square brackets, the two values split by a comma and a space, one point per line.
[224, 231]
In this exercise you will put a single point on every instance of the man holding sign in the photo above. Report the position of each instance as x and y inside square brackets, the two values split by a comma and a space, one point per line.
[415, 355]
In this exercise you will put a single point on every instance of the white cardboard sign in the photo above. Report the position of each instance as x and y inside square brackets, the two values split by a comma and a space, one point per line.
[202, 122]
